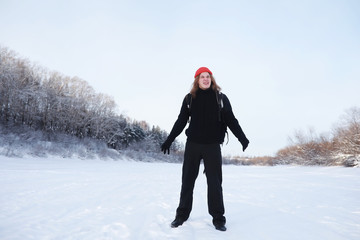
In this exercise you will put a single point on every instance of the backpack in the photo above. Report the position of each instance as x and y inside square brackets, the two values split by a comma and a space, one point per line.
[219, 99]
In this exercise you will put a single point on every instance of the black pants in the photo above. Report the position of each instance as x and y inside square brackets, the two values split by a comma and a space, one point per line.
[211, 154]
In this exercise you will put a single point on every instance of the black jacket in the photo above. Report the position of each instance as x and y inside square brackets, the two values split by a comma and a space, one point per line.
[205, 127]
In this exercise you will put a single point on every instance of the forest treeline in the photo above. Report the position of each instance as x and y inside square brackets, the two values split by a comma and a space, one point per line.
[32, 96]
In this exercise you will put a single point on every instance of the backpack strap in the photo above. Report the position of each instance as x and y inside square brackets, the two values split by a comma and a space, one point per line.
[219, 99]
[188, 100]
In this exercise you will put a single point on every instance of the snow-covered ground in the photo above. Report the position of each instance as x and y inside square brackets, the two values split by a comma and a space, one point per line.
[56, 198]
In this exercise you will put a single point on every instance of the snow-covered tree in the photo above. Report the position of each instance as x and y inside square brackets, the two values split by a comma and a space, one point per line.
[54, 103]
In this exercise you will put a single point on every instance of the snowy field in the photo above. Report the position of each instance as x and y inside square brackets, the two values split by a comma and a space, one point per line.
[55, 198]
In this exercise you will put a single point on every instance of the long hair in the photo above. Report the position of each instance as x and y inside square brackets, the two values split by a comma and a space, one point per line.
[195, 85]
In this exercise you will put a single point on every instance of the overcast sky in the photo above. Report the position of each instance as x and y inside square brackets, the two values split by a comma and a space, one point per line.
[284, 65]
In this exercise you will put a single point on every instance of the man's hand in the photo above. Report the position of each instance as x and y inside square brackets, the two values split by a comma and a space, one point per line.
[166, 146]
[245, 144]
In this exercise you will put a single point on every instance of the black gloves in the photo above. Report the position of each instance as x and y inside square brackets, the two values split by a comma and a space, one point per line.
[166, 146]
[245, 143]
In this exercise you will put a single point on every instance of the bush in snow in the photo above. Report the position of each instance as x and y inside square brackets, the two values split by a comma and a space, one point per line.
[342, 148]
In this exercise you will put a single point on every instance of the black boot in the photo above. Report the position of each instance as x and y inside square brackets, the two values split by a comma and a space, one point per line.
[177, 222]
[220, 226]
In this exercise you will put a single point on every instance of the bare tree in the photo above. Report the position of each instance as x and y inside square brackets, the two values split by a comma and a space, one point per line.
[347, 134]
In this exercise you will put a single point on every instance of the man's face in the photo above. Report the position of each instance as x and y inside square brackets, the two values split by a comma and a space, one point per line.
[204, 80]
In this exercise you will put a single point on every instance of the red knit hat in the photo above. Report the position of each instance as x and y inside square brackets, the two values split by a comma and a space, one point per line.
[201, 70]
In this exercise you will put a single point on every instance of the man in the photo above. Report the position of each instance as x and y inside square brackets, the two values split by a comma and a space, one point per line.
[210, 114]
